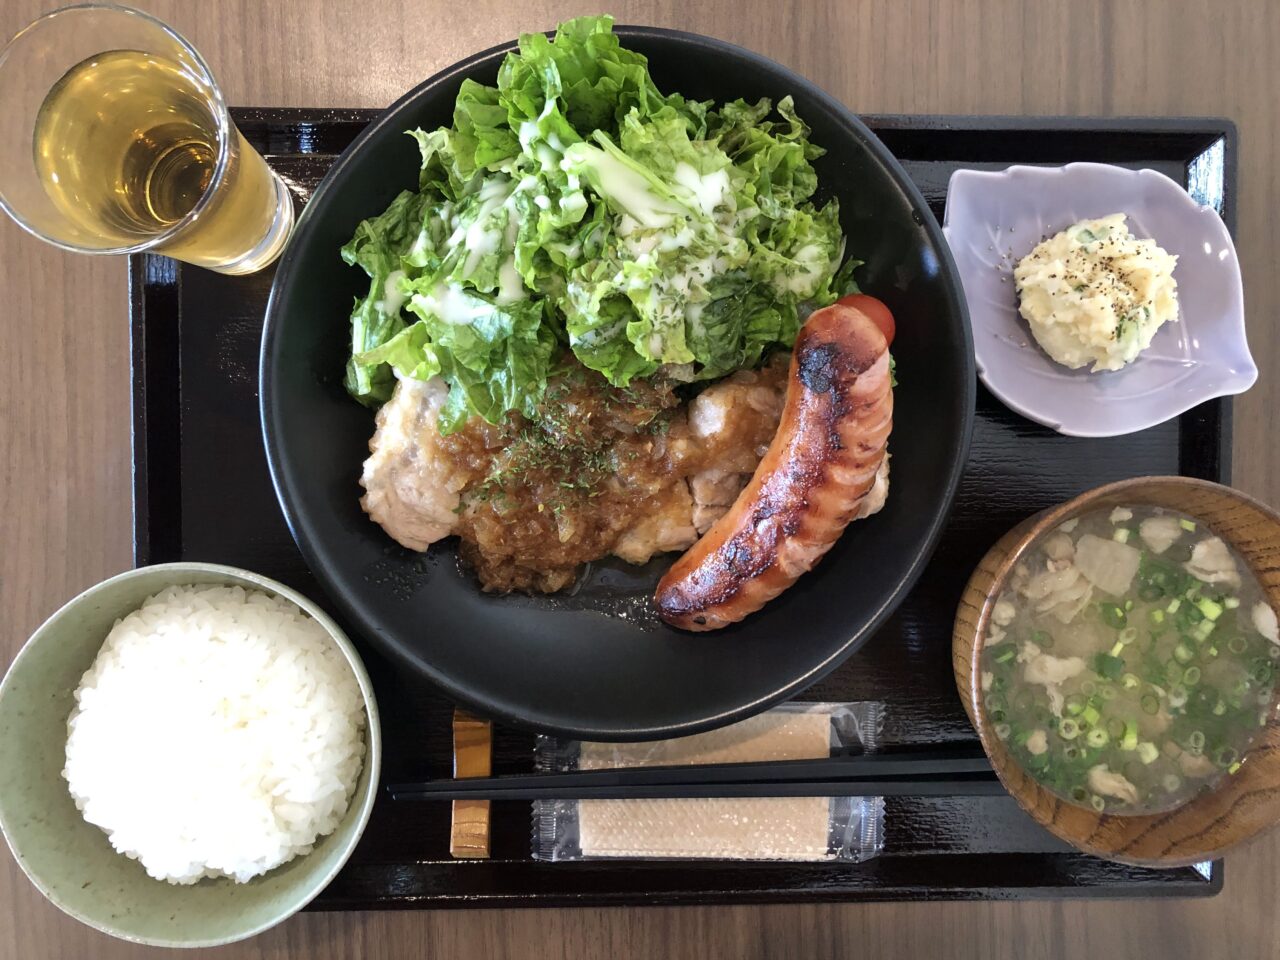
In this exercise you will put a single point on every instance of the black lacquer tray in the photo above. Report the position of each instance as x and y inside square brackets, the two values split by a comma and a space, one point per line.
[202, 492]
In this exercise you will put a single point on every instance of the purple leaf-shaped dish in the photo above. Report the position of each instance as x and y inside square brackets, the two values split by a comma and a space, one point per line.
[993, 219]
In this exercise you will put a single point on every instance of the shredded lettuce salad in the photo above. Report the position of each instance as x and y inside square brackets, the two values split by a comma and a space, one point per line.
[574, 205]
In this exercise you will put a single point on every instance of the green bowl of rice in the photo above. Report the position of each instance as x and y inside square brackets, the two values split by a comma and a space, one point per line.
[191, 752]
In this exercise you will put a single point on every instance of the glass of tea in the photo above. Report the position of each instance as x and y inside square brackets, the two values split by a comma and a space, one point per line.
[118, 140]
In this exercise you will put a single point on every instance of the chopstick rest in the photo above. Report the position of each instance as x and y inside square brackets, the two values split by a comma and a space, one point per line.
[472, 757]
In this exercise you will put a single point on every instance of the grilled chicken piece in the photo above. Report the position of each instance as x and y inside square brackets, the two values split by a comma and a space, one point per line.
[409, 489]
[667, 529]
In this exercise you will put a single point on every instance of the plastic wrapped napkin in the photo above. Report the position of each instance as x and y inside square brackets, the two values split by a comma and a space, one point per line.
[849, 829]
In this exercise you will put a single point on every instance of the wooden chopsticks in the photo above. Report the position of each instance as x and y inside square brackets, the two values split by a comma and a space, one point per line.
[917, 773]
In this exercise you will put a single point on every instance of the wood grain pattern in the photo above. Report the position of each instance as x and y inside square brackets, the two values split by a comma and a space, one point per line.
[1244, 805]
[472, 757]
[65, 433]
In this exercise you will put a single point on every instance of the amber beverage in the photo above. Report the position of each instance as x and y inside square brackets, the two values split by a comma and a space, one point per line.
[131, 147]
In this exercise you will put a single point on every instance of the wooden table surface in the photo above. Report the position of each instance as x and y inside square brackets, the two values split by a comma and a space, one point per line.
[64, 435]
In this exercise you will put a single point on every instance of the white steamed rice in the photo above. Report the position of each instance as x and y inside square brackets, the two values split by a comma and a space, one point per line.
[219, 732]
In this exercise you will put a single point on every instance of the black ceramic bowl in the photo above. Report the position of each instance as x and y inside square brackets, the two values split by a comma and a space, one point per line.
[587, 665]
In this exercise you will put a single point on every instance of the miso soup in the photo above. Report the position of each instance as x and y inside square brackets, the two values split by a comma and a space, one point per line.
[1130, 660]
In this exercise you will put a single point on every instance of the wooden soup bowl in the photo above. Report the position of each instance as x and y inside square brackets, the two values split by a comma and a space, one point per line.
[1243, 804]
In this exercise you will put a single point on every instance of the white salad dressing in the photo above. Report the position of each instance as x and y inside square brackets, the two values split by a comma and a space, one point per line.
[621, 184]
[528, 132]
[483, 235]
[813, 263]
[709, 190]
[451, 304]
[510, 283]
[392, 296]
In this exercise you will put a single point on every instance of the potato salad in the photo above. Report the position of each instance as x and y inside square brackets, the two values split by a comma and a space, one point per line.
[1095, 294]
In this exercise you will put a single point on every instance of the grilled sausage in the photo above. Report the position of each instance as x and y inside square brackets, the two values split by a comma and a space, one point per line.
[812, 481]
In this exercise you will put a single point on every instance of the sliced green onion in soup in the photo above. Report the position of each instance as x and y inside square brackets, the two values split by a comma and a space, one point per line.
[1130, 739]
[1210, 609]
